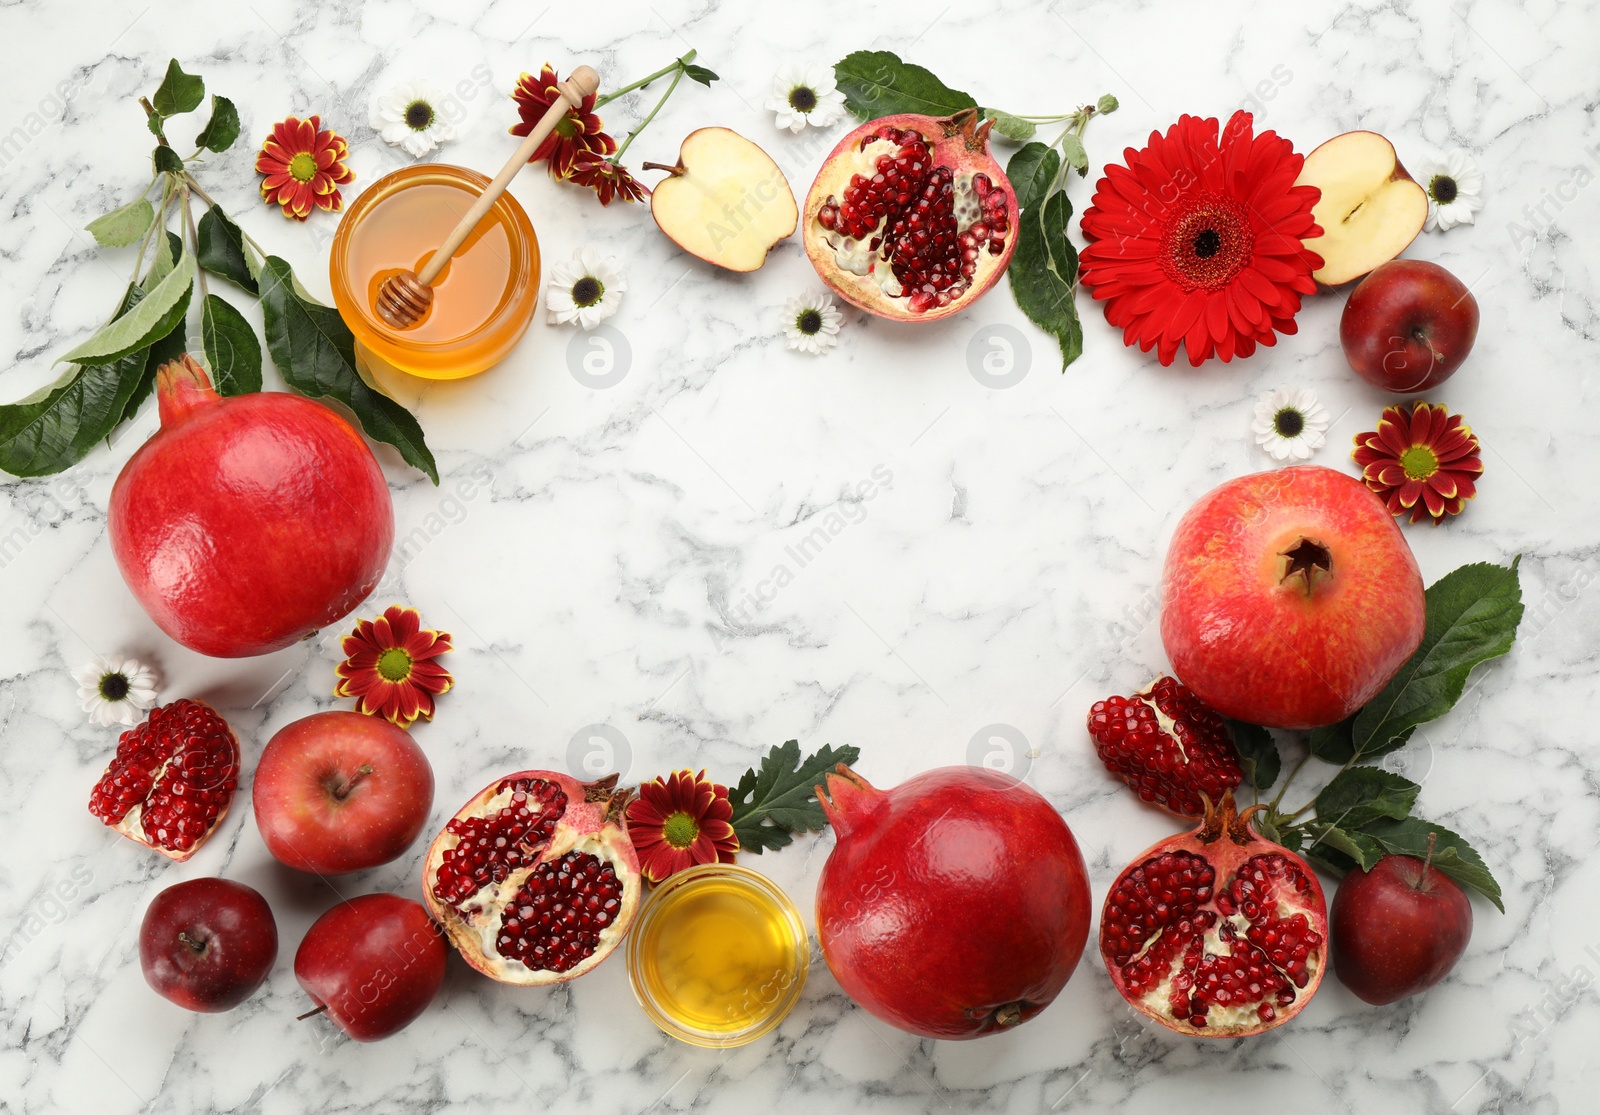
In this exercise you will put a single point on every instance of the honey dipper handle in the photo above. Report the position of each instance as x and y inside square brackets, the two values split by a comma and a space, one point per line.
[581, 83]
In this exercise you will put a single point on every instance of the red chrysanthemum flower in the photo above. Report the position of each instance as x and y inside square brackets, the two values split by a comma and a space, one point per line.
[390, 668]
[1196, 243]
[679, 822]
[303, 166]
[1426, 462]
[607, 179]
[576, 133]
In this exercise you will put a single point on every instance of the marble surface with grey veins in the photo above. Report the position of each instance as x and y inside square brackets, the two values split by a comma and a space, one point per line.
[616, 553]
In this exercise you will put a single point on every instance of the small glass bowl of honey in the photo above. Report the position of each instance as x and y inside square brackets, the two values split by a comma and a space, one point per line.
[718, 956]
[482, 301]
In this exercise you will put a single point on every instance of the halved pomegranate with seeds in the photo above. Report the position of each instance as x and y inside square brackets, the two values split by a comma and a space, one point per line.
[910, 217]
[172, 779]
[1170, 748]
[1217, 932]
[535, 880]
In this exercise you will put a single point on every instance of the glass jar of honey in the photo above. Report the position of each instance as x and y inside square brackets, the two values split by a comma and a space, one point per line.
[718, 956]
[482, 301]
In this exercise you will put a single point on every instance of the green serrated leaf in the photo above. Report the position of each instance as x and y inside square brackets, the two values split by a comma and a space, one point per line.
[231, 348]
[165, 255]
[1359, 795]
[223, 127]
[1451, 854]
[221, 250]
[1472, 616]
[166, 160]
[1013, 128]
[1032, 171]
[155, 315]
[122, 226]
[699, 73]
[179, 92]
[154, 124]
[1044, 274]
[877, 83]
[1334, 743]
[1360, 848]
[1077, 158]
[779, 799]
[1258, 753]
[315, 352]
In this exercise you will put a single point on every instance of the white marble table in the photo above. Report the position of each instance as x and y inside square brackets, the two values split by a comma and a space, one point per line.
[605, 570]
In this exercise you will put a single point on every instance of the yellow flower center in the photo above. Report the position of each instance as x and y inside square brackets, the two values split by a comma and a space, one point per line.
[680, 830]
[303, 167]
[1420, 462]
[394, 664]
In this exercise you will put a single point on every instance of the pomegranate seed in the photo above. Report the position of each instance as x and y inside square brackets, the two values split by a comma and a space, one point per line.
[1167, 746]
[558, 914]
[492, 847]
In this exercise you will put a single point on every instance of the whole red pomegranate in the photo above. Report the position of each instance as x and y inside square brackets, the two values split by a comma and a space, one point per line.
[535, 880]
[910, 217]
[954, 905]
[1290, 598]
[245, 524]
[1217, 932]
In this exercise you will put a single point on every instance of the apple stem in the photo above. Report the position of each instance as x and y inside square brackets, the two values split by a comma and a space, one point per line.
[673, 169]
[343, 791]
[1422, 879]
[197, 947]
[311, 1013]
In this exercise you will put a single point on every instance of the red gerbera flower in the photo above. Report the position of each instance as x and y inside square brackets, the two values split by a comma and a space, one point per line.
[1196, 243]
[1426, 462]
[607, 179]
[577, 132]
[303, 166]
[390, 668]
[681, 821]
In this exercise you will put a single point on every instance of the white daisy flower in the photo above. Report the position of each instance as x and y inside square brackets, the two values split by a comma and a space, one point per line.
[805, 94]
[586, 289]
[1455, 190]
[1290, 424]
[115, 690]
[813, 323]
[407, 116]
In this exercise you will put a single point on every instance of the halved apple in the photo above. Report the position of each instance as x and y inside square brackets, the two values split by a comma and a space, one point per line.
[725, 200]
[1371, 209]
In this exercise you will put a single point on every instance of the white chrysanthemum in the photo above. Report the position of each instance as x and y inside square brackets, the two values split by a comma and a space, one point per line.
[115, 690]
[1290, 424]
[407, 116]
[1455, 190]
[805, 94]
[813, 323]
[586, 289]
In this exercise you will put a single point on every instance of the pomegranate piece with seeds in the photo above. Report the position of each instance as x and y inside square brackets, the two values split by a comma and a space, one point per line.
[535, 880]
[910, 217]
[172, 779]
[1218, 932]
[1170, 748]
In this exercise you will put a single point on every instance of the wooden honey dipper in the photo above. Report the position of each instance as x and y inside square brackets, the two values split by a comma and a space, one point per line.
[405, 297]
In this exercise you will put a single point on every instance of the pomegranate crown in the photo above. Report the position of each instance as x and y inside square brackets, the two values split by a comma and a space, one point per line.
[181, 386]
[1224, 820]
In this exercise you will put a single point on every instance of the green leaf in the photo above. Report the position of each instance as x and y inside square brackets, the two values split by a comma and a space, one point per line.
[223, 127]
[156, 315]
[1044, 274]
[1451, 854]
[1359, 795]
[1032, 171]
[121, 227]
[1013, 128]
[56, 427]
[1077, 158]
[1107, 104]
[231, 348]
[876, 83]
[179, 92]
[315, 351]
[1258, 753]
[1334, 743]
[699, 73]
[1472, 617]
[221, 250]
[154, 124]
[780, 799]
[170, 347]
[166, 160]
[1362, 850]
[168, 250]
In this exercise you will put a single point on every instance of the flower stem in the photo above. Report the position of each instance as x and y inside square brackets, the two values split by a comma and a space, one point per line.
[645, 123]
[676, 64]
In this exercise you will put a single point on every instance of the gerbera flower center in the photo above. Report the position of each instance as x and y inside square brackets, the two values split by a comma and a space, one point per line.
[1443, 189]
[419, 114]
[114, 687]
[802, 98]
[394, 664]
[1420, 462]
[809, 322]
[680, 830]
[1207, 242]
[1290, 422]
[587, 290]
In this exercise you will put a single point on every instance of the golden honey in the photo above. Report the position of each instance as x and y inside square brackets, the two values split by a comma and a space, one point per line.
[482, 301]
[718, 956]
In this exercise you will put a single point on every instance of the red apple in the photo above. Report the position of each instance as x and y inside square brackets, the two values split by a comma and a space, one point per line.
[340, 791]
[1408, 326]
[1397, 929]
[207, 944]
[1290, 598]
[373, 963]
